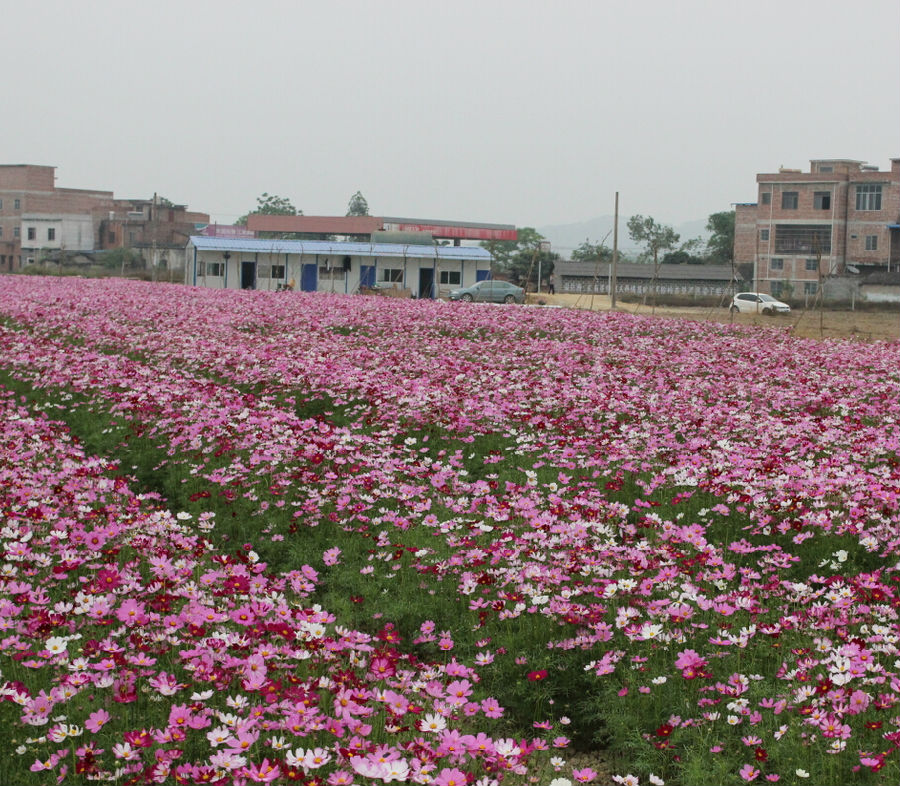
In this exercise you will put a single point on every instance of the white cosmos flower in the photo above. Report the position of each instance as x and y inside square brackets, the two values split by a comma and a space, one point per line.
[56, 645]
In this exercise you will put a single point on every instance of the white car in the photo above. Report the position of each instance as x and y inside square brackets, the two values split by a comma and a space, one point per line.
[756, 303]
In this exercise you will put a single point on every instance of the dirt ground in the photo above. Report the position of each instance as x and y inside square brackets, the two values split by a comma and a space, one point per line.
[829, 324]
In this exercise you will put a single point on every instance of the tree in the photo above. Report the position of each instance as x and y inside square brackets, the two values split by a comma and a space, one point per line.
[720, 246]
[358, 205]
[655, 238]
[503, 252]
[271, 205]
[684, 254]
[524, 265]
[592, 252]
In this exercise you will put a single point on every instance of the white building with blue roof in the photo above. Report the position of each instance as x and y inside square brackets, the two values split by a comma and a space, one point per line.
[427, 271]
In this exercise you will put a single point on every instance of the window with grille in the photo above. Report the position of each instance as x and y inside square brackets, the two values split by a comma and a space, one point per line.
[803, 238]
[868, 197]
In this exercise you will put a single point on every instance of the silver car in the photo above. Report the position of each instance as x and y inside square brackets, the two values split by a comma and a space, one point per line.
[490, 292]
[757, 303]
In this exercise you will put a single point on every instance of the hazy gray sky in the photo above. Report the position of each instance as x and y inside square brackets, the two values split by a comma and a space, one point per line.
[529, 113]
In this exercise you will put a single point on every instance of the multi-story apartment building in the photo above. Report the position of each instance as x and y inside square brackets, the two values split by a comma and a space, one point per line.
[841, 217]
[35, 214]
[38, 219]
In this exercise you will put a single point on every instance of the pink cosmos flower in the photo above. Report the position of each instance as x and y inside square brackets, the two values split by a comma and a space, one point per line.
[96, 721]
[264, 772]
[749, 773]
[450, 777]
[332, 556]
[131, 612]
[585, 775]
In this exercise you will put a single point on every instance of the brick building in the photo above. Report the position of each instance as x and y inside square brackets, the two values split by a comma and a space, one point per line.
[35, 214]
[38, 219]
[155, 228]
[841, 217]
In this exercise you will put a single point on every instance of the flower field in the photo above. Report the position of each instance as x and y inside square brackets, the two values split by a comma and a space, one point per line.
[256, 537]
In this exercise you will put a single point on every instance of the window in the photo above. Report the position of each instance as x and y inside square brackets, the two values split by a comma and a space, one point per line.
[826, 169]
[331, 273]
[1, 204]
[810, 288]
[17, 203]
[822, 200]
[868, 197]
[766, 197]
[32, 233]
[776, 288]
[789, 200]
[803, 238]
[16, 232]
[871, 242]
[392, 275]
[812, 264]
[215, 269]
[277, 271]
[764, 234]
[1, 231]
[51, 233]
[776, 263]
[451, 277]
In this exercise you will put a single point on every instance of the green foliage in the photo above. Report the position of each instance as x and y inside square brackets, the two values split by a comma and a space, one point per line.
[654, 237]
[720, 246]
[271, 205]
[122, 259]
[527, 240]
[520, 259]
[592, 252]
[358, 206]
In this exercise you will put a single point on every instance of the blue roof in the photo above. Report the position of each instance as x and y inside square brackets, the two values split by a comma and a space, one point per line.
[258, 246]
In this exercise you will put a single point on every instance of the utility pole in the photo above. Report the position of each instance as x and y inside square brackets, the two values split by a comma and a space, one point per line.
[615, 259]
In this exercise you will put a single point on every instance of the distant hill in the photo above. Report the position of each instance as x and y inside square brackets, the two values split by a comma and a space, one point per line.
[565, 238]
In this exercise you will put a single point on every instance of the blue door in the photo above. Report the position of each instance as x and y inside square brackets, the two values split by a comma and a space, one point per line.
[482, 275]
[367, 275]
[309, 278]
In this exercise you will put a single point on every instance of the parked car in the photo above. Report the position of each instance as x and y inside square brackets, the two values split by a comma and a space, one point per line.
[756, 303]
[490, 292]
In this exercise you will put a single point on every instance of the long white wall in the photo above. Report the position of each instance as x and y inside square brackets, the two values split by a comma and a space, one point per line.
[270, 271]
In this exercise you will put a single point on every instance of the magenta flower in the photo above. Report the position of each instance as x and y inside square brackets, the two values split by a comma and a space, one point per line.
[450, 777]
[96, 720]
